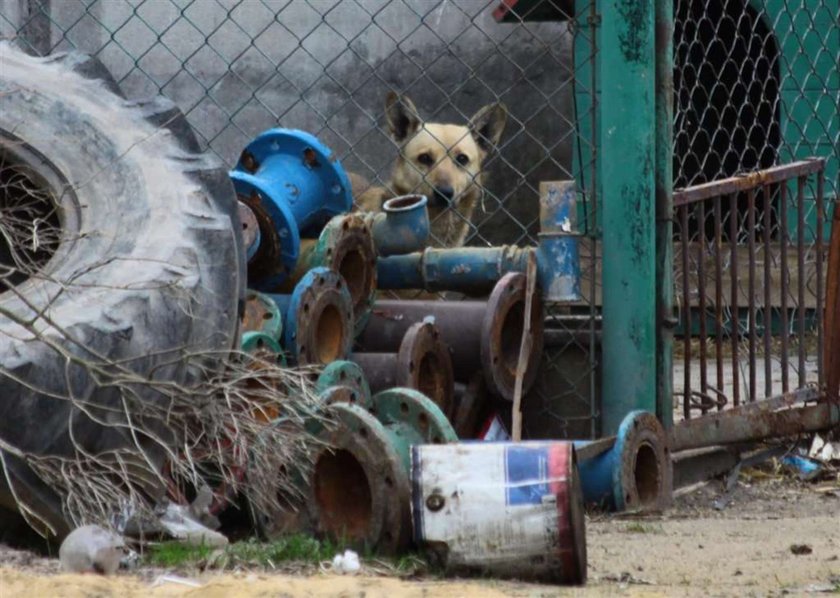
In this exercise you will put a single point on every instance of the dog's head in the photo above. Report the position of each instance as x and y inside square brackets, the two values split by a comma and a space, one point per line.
[442, 161]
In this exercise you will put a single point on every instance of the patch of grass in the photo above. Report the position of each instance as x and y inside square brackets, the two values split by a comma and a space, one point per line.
[637, 527]
[296, 548]
[175, 554]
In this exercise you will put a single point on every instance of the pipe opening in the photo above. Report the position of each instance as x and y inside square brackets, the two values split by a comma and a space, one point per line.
[329, 335]
[353, 269]
[511, 337]
[343, 495]
[404, 203]
[646, 475]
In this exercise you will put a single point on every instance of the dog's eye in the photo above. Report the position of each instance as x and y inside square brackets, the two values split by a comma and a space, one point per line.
[462, 159]
[425, 159]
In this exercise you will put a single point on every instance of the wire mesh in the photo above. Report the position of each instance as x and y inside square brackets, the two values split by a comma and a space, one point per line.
[756, 85]
[238, 67]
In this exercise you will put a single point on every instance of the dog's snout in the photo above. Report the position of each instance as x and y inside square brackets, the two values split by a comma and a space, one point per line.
[443, 196]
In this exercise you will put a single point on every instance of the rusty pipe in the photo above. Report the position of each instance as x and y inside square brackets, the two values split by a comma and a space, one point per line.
[345, 245]
[422, 363]
[482, 335]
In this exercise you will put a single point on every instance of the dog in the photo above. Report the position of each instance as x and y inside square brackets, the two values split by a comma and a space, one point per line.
[441, 161]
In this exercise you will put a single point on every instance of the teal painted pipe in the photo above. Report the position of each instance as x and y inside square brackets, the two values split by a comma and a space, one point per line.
[636, 473]
[401, 227]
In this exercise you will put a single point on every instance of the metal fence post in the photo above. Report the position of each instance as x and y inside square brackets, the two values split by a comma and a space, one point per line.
[627, 135]
[664, 179]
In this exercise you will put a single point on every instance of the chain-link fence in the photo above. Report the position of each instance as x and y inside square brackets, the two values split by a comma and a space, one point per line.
[238, 67]
[756, 85]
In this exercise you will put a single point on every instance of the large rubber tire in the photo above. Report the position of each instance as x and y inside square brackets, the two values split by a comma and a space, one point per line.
[151, 267]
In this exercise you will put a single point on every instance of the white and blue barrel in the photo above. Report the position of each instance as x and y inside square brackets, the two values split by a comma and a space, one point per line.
[507, 509]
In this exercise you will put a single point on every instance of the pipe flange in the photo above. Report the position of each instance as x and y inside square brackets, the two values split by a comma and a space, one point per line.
[645, 470]
[342, 394]
[424, 363]
[347, 374]
[359, 491]
[250, 230]
[319, 322]
[412, 408]
[262, 315]
[349, 250]
[501, 336]
[262, 345]
[275, 257]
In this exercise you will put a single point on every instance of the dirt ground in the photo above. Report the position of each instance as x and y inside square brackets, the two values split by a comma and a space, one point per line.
[709, 544]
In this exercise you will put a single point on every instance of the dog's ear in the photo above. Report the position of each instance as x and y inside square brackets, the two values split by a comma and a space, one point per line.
[403, 118]
[487, 125]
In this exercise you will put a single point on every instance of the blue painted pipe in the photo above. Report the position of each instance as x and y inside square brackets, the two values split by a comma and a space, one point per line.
[402, 226]
[474, 270]
[470, 270]
[636, 473]
[294, 185]
[558, 258]
[317, 318]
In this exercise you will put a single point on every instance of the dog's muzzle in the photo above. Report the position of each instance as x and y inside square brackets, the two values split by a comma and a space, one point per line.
[442, 197]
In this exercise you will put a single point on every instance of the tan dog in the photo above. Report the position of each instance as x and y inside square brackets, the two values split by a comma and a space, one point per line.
[441, 161]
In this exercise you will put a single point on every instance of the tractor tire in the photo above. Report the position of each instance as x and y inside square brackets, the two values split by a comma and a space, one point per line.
[149, 265]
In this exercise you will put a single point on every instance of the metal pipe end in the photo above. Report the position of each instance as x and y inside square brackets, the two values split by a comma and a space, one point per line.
[424, 364]
[501, 336]
[404, 227]
[645, 471]
[346, 374]
[404, 203]
[358, 488]
[319, 322]
[349, 250]
[262, 315]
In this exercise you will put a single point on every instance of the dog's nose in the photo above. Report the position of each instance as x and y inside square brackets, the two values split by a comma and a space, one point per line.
[443, 196]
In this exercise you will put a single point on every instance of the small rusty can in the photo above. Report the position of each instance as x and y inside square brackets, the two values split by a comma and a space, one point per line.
[505, 509]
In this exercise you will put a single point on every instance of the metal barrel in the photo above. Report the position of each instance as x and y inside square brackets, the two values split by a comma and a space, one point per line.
[504, 509]
[481, 335]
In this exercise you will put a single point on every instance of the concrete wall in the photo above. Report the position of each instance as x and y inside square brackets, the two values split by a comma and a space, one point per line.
[238, 68]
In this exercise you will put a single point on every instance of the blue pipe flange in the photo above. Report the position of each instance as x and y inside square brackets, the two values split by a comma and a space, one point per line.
[318, 320]
[636, 473]
[293, 184]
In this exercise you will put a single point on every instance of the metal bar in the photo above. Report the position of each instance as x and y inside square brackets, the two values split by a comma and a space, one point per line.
[751, 289]
[733, 299]
[664, 189]
[819, 249]
[734, 425]
[718, 297]
[783, 241]
[627, 146]
[768, 305]
[701, 290]
[686, 312]
[753, 180]
[800, 258]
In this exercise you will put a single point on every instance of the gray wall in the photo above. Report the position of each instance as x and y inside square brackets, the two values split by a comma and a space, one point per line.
[239, 67]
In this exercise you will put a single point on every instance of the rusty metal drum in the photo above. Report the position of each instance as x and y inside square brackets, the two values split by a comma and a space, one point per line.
[505, 509]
